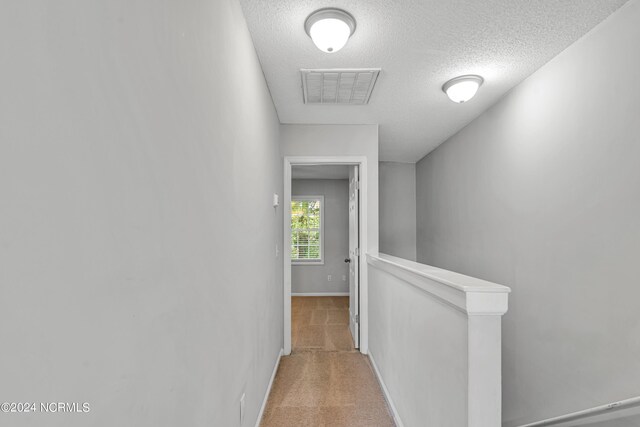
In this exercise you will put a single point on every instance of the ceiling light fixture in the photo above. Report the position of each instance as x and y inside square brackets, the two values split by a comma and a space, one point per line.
[330, 28]
[463, 88]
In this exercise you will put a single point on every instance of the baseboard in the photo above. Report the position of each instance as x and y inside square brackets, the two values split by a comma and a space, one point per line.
[266, 395]
[320, 294]
[385, 391]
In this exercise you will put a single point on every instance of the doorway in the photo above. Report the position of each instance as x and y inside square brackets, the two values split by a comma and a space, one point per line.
[305, 236]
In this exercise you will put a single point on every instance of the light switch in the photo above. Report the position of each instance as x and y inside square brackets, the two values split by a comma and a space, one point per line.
[276, 200]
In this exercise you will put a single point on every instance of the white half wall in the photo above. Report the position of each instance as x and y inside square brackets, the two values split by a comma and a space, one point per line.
[542, 193]
[420, 347]
[398, 209]
[138, 155]
[435, 343]
[313, 278]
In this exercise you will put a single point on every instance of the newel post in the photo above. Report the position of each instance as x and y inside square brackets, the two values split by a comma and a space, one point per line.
[484, 325]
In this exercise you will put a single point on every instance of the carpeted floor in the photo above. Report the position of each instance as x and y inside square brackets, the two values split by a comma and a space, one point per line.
[325, 381]
[320, 324]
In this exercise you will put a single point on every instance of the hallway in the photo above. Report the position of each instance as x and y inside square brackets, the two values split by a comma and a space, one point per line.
[325, 381]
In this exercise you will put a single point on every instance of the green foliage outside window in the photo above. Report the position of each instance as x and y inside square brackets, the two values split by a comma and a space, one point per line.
[305, 230]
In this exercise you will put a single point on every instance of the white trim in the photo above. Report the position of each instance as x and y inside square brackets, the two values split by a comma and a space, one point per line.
[311, 261]
[587, 413]
[364, 302]
[394, 411]
[266, 395]
[319, 294]
[467, 294]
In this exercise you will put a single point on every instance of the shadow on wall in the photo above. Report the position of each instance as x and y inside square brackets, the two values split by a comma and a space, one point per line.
[398, 209]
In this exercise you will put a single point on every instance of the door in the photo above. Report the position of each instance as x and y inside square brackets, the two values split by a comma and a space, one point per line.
[354, 255]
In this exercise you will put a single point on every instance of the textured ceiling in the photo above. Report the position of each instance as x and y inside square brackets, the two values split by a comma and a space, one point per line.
[320, 172]
[419, 44]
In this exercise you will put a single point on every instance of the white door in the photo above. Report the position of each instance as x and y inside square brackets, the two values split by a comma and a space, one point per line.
[354, 256]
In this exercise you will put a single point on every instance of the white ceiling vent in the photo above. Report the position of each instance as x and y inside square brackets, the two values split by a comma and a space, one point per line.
[338, 86]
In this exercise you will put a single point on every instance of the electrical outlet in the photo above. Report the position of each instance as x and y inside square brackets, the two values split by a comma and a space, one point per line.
[328, 278]
[242, 408]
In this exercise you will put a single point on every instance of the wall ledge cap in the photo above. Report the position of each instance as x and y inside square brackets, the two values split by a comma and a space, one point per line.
[468, 294]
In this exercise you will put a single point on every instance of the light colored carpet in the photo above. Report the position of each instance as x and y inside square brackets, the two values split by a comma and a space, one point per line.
[320, 324]
[325, 381]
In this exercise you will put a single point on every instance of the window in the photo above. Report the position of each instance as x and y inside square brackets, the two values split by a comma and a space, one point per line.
[307, 215]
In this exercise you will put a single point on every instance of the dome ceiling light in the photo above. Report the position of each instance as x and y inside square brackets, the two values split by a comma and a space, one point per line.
[463, 88]
[330, 28]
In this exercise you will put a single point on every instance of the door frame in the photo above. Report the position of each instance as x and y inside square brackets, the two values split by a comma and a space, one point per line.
[361, 161]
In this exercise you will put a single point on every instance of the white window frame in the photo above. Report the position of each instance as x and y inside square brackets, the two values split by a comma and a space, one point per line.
[310, 261]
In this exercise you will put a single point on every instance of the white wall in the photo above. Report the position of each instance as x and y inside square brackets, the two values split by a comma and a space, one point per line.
[398, 209]
[138, 153]
[542, 193]
[314, 278]
[419, 345]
